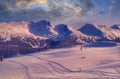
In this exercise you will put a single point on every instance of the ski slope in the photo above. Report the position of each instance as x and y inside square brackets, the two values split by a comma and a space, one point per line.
[64, 63]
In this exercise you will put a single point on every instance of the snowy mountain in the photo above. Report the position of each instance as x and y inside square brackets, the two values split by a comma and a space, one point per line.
[117, 26]
[46, 29]
[60, 34]
[26, 37]
[101, 31]
[15, 38]
[71, 36]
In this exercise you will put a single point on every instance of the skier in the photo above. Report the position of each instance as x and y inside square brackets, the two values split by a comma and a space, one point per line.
[80, 69]
[1, 57]
[81, 47]
[82, 52]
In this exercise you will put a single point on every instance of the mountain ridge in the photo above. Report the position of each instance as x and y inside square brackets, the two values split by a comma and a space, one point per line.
[103, 32]
[21, 37]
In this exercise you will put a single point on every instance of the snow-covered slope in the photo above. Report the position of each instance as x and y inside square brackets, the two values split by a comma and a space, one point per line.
[64, 63]
[15, 29]
[110, 34]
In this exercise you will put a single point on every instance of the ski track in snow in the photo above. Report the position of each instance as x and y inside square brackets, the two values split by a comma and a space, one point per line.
[26, 69]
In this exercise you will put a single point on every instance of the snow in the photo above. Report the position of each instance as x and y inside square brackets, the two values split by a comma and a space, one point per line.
[64, 63]
[11, 28]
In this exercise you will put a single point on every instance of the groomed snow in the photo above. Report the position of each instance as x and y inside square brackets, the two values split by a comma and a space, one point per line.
[64, 63]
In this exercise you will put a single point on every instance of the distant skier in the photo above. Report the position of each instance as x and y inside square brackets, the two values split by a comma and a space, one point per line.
[81, 47]
[80, 69]
[1, 57]
[82, 54]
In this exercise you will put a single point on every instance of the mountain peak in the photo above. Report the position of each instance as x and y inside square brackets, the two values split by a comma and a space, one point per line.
[91, 29]
[63, 30]
[43, 23]
[62, 27]
[116, 26]
[43, 28]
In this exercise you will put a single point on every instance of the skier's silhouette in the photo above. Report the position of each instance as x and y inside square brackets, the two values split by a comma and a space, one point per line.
[81, 47]
[1, 57]
[81, 51]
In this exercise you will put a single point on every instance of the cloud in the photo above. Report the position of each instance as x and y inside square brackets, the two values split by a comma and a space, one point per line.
[34, 10]
[3, 7]
[25, 9]
[115, 7]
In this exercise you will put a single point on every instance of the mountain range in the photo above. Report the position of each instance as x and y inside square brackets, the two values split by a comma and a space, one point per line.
[26, 37]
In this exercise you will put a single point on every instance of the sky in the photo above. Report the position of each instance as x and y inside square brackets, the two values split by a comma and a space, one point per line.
[104, 12]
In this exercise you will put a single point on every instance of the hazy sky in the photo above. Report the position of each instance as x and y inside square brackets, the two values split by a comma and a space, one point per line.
[95, 11]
